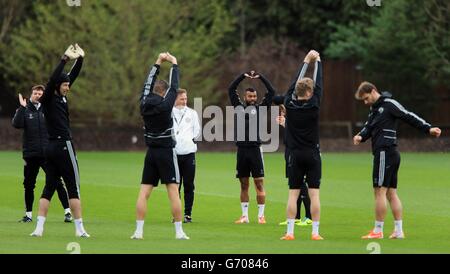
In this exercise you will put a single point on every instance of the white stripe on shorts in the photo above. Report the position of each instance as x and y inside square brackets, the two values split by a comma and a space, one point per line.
[75, 166]
[175, 164]
[381, 168]
[262, 157]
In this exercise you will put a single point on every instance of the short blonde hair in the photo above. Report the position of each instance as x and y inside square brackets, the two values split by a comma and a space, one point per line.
[181, 91]
[303, 86]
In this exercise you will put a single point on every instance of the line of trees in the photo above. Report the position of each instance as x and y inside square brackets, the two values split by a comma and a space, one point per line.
[403, 45]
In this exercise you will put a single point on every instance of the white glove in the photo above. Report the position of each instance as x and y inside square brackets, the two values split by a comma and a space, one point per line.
[71, 53]
[79, 50]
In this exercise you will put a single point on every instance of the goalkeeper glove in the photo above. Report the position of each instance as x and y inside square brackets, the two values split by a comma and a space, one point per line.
[79, 50]
[71, 53]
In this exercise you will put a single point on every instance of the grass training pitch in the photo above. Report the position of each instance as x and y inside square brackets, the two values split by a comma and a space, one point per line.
[110, 183]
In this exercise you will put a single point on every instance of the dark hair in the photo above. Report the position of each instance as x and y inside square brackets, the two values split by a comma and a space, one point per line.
[160, 87]
[364, 88]
[250, 90]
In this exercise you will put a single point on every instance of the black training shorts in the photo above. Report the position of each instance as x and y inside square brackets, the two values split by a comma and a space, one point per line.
[304, 165]
[250, 162]
[386, 163]
[160, 164]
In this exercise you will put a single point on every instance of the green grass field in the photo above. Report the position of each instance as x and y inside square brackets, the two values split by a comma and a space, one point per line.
[110, 183]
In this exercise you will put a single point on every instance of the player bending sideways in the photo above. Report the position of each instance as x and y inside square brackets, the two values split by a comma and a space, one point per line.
[382, 128]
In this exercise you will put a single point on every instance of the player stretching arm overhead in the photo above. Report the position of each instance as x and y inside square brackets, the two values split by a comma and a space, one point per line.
[60, 153]
[302, 102]
[157, 100]
[249, 154]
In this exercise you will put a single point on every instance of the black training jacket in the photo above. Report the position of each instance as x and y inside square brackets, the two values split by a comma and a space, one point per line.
[381, 125]
[157, 110]
[302, 116]
[242, 110]
[35, 136]
[56, 108]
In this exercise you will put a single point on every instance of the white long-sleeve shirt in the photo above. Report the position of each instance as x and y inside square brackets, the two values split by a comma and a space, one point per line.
[186, 127]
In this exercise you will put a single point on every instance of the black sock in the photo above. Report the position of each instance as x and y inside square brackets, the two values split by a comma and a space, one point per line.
[307, 203]
[299, 207]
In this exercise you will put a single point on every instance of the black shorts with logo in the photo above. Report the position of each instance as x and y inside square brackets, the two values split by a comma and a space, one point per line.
[61, 163]
[249, 161]
[160, 164]
[386, 163]
[304, 165]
